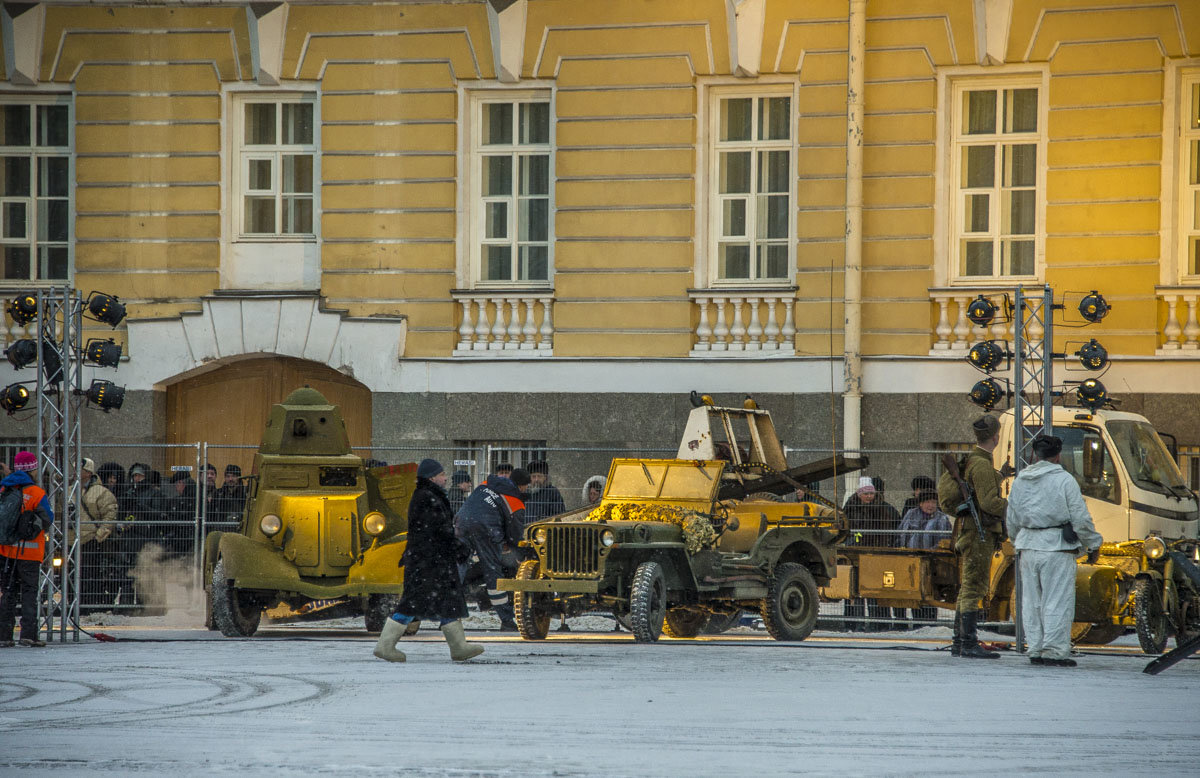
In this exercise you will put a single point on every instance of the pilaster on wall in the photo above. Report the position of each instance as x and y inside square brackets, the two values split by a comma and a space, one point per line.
[506, 23]
[24, 25]
[993, 19]
[267, 24]
[745, 35]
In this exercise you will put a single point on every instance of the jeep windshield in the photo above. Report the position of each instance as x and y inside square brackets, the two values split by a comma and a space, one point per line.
[663, 480]
[1146, 458]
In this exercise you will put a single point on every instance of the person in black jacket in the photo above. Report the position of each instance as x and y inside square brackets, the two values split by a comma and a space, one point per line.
[432, 587]
[492, 521]
[544, 498]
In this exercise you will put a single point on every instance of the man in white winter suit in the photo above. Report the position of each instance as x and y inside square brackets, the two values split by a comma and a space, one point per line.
[1044, 500]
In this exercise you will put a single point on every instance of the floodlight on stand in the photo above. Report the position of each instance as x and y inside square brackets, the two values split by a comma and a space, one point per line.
[987, 393]
[1092, 355]
[23, 308]
[1092, 394]
[22, 353]
[105, 308]
[51, 363]
[13, 398]
[1093, 307]
[986, 356]
[981, 311]
[105, 395]
[105, 353]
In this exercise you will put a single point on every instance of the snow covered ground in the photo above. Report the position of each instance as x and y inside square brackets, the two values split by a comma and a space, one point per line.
[312, 700]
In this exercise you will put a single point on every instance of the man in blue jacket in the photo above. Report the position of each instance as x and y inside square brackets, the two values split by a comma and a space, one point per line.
[492, 521]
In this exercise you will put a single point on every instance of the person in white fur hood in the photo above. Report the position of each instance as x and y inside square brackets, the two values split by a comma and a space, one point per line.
[1049, 524]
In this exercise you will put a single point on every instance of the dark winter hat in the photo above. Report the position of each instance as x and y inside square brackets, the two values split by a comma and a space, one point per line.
[504, 468]
[985, 428]
[538, 466]
[1047, 446]
[923, 482]
[460, 477]
[429, 468]
[181, 475]
[211, 466]
[519, 477]
[233, 469]
[927, 494]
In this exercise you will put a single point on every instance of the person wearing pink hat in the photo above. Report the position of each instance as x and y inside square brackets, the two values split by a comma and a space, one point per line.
[22, 560]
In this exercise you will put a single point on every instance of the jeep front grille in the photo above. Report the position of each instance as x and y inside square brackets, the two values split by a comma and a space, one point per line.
[572, 550]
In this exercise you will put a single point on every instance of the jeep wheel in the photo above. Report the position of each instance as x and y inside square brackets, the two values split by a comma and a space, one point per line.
[647, 602]
[1149, 617]
[235, 613]
[532, 610]
[684, 622]
[379, 607]
[790, 609]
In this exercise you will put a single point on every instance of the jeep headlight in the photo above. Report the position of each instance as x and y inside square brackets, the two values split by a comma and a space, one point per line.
[540, 535]
[607, 538]
[270, 525]
[373, 523]
[1154, 547]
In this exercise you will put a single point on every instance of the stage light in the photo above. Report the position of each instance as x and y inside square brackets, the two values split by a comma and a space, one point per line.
[105, 308]
[1093, 307]
[1092, 355]
[13, 398]
[105, 353]
[52, 367]
[23, 308]
[981, 311]
[986, 393]
[1092, 394]
[986, 356]
[105, 395]
[22, 353]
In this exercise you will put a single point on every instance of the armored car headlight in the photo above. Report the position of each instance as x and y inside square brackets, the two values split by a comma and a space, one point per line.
[607, 538]
[1154, 547]
[373, 523]
[270, 524]
[540, 535]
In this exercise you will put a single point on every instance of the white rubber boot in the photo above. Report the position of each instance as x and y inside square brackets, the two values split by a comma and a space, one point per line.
[460, 649]
[388, 638]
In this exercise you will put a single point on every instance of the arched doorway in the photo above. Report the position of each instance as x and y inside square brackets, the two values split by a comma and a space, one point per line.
[228, 406]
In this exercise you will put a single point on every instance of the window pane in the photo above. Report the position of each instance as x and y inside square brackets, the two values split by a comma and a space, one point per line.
[979, 166]
[1020, 257]
[52, 176]
[260, 175]
[1194, 176]
[977, 258]
[16, 177]
[52, 261]
[772, 216]
[497, 175]
[1195, 119]
[495, 220]
[53, 220]
[534, 218]
[15, 220]
[976, 217]
[736, 118]
[979, 112]
[497, 123]
[1020, 110]
[733, 218]
[535, 175]
[298, 173]
[775, 120]
[535, 123]
[1196, 210]
[14, 127]
[1194, 264]
[497, 263]
[16, 262]
[1019, 212]
[734, 260]
[260, 123]
[298, 123]
[735, 172]
[772, 260]
[534, 264]
[772, 171]
[260, 214]
[52, 125]
[1020, 165]
[297, 215]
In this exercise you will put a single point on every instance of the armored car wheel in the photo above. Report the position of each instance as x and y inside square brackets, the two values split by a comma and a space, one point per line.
[235, 613]
[379, 607]
[790, 610]
[1149, 616]
[531, 610]
[684, 623]
[647, 602]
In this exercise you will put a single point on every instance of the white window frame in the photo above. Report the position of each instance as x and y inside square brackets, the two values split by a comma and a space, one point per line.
[31, 211]
[240, 156]
[952, 84]
[471, 201]
[708, 199]
[1180, 217]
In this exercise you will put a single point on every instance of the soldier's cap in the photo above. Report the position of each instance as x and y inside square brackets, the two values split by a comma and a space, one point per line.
[986, 423]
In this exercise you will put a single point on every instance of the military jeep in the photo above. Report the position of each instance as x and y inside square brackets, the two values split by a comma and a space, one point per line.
[675, 543]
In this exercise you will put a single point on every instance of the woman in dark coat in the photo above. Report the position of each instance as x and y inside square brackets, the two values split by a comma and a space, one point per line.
[432, 587]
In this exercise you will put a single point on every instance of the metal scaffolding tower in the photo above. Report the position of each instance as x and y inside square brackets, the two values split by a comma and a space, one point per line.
[1033, 371]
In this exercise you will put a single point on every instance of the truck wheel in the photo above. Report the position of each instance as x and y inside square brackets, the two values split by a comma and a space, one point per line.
[532, 610]
[235, 613]
[379, 608]
[790, 610]
[1189, 620]
[1148, 616]
[684, 623]
[647, 602]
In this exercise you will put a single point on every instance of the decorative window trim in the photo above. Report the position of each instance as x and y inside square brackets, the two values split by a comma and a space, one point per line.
[469, 196]
[707, 211]
[951, 83]
[1180, 78]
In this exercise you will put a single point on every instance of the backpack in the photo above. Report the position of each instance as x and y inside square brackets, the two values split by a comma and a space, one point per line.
[12, 505]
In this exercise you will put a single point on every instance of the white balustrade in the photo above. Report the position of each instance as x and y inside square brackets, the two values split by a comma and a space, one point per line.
[505, 324]
[744, 323]
[1181, 331]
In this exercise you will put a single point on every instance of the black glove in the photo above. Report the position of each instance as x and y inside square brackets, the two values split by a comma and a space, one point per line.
[1093, 556]
[1007, 470]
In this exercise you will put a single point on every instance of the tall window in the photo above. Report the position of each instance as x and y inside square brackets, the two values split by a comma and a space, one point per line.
[751, 187]
[512, 166]
[277, 156]
[1191, 195]
[995, 213]
[35, 202]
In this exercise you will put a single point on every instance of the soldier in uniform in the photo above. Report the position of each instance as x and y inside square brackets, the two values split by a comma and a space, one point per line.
[975, 553]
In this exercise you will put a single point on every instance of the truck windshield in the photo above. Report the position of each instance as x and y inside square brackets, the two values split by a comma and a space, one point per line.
[1085, 457]
[1146, 458]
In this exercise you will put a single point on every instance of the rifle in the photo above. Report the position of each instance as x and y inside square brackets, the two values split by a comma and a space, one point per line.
[968, 494]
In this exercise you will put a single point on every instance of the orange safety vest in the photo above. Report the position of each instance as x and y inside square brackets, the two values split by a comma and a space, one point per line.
[29, 550]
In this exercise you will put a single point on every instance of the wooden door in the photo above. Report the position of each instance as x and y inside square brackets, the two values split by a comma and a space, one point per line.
[229, 406]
